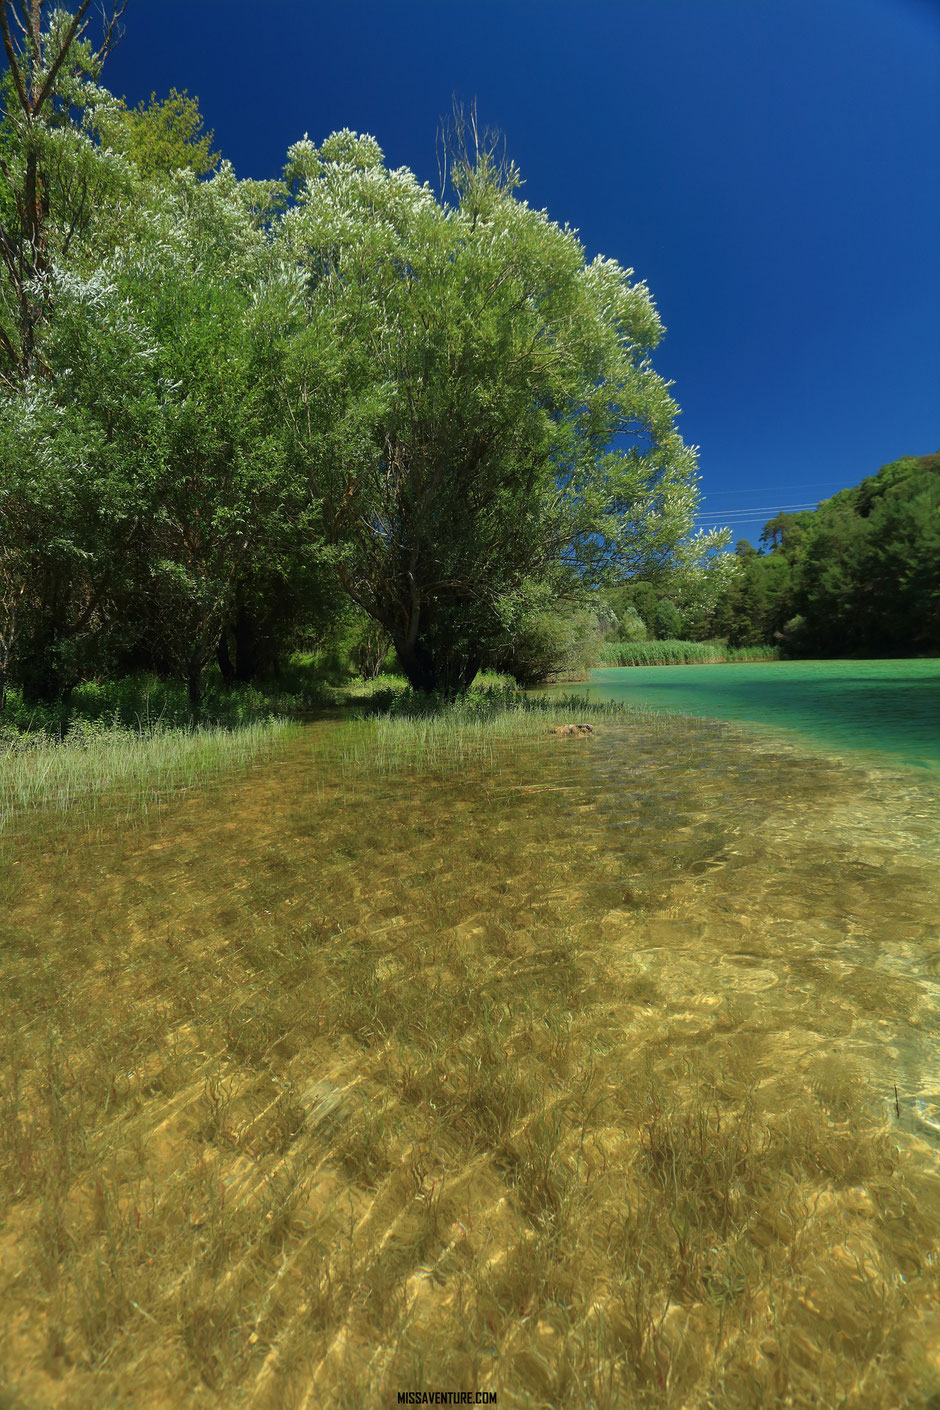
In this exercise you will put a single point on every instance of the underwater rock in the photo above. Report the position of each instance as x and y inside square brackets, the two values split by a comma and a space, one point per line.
[569, 731]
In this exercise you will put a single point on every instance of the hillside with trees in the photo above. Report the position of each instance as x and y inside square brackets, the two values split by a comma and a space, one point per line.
[860, 575]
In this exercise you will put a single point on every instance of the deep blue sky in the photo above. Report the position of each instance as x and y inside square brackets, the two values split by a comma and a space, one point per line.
[771, 169]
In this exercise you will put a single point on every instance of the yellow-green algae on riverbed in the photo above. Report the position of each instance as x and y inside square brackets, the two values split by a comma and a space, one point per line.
[566, 1069]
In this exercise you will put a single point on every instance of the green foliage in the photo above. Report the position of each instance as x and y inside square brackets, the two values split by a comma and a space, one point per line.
[666, 623]
[636, 598]
[161, 137]
[860, 575]
[62, 200]
[457, 392]
[680, 601]
[138, 704]
[242, 411]
[562, 642]
[144, 701]
[631, 627]
[338, 414]
[759, 601]
[488, 696]
[370, 648]
[869, 573]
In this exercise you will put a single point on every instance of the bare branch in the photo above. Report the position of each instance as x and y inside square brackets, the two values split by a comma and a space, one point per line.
[76, 220]
[441, 153]
[53, 73]
[110, 38]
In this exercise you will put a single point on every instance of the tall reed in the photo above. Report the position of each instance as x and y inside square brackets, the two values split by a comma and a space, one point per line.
[681, 653]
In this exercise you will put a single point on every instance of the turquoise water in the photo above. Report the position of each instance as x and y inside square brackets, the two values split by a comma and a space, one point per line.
[878, 711]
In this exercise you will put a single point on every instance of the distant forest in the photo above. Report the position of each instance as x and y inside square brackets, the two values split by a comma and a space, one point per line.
[860, 575]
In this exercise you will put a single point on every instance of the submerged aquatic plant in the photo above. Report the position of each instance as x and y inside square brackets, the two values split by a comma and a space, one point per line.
[436, 1053]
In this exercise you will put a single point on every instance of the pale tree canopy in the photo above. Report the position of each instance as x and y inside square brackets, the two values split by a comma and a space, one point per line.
[54, 183]
[473, 402]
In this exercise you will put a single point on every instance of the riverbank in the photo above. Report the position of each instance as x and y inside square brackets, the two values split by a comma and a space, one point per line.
[65, 770]
[565, 1066]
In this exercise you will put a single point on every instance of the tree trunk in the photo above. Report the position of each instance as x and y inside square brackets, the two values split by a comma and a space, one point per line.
[194, 682]
[417, 664]
[225, 660]
[466, 673]
[246, 645]
[437, 669]
[371, 650]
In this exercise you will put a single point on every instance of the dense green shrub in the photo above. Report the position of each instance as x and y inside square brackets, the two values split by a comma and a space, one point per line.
[144, 701]
[563, 642]
[370, 649]
[632, 627]
[667, 621]
[393, 696]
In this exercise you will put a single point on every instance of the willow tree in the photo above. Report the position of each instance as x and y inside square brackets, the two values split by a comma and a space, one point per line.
[219, 504]
[63, 203]
[473, 403]
[54, 185]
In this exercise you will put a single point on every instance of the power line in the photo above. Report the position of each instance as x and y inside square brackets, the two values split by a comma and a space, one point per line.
[761, 509]
[730, 519]
[783, 489]
[768, 509]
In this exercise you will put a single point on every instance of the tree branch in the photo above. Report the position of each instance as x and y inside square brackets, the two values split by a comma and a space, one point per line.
[12, 58]
[53, 73]
[110, 39]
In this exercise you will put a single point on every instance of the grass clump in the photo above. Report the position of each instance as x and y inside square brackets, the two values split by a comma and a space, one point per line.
[99, 764]
[134, 741]
[681, 653]
[399, 727]
[390, 694]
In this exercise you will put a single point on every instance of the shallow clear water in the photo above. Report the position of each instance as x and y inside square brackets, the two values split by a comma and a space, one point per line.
[876, 724]
[325, 936]
[887, 710]
[806, 894]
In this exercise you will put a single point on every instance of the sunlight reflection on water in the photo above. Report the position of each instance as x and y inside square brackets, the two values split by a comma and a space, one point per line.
[797, 893]
[696, 956]
[809, 900]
